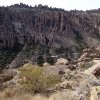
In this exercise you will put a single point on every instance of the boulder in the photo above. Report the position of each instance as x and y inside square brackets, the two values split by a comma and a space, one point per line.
[95, 93]
[6, 77]
[95, 70]
[83, 57]
[46, 64]
[28, 66]
[66, 85]
[56, 69]
[72, 67]
[62, 61]
[12, 72]
[96, 60]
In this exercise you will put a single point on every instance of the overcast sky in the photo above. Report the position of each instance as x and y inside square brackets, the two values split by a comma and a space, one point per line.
[66, 4]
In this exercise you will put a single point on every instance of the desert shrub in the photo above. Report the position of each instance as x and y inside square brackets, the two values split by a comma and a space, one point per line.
[60, 50]
[40, 60]
[50, 60]
[35, 80]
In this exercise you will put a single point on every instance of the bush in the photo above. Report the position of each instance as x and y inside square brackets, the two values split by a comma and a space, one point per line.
[40, 60]
[50, 60]
[60, 50]
[36, 81]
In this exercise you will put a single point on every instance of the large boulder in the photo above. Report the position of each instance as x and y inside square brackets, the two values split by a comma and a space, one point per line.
[62, 61]
[95, 70]
[56, 69]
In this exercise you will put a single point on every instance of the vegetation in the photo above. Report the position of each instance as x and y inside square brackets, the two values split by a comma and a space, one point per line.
[8, 54]
[35, 80]
[40, 60]
[60, 50]
[31, 46]
[50, 60]
[79, 39]
[41, 52]
[40, 7]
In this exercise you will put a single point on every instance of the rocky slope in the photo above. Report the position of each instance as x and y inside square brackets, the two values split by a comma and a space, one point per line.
[80, 79]
[56, 28]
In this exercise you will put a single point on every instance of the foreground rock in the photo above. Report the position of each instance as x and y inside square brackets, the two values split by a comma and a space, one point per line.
[9, 77]
[95, 70]
[95, 93]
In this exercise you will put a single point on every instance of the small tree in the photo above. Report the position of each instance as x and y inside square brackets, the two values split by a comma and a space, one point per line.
[40, 60]
[50, 60]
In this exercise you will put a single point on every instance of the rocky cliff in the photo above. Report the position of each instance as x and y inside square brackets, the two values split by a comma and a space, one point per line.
[21, 24]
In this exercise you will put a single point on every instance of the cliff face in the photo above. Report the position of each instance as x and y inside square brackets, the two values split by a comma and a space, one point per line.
[53, 27]
[21, 25]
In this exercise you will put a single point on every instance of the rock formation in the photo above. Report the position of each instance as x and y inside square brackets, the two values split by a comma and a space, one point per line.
[21, 24]
[74, 30]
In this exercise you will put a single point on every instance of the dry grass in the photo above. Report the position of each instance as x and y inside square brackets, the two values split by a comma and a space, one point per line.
[63, 95]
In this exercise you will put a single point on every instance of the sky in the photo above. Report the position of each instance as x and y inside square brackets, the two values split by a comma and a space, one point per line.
[65, 4]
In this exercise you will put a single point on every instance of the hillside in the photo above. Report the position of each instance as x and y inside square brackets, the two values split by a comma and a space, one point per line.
[61, 33]
[49, 54]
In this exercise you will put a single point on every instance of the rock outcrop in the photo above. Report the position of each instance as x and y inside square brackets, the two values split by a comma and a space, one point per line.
[62, 61]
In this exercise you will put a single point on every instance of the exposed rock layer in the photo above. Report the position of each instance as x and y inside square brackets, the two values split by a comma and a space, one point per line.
[47, 26]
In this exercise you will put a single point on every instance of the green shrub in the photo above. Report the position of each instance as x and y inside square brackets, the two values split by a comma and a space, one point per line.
[50, 60]
[35, 80]
[40, 60]
[8, 54]
[60, 50]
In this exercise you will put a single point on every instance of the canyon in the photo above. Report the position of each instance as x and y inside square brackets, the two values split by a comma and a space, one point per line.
[66, 31]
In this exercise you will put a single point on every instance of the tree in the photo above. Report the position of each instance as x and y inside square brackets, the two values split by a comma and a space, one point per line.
[40, 60]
